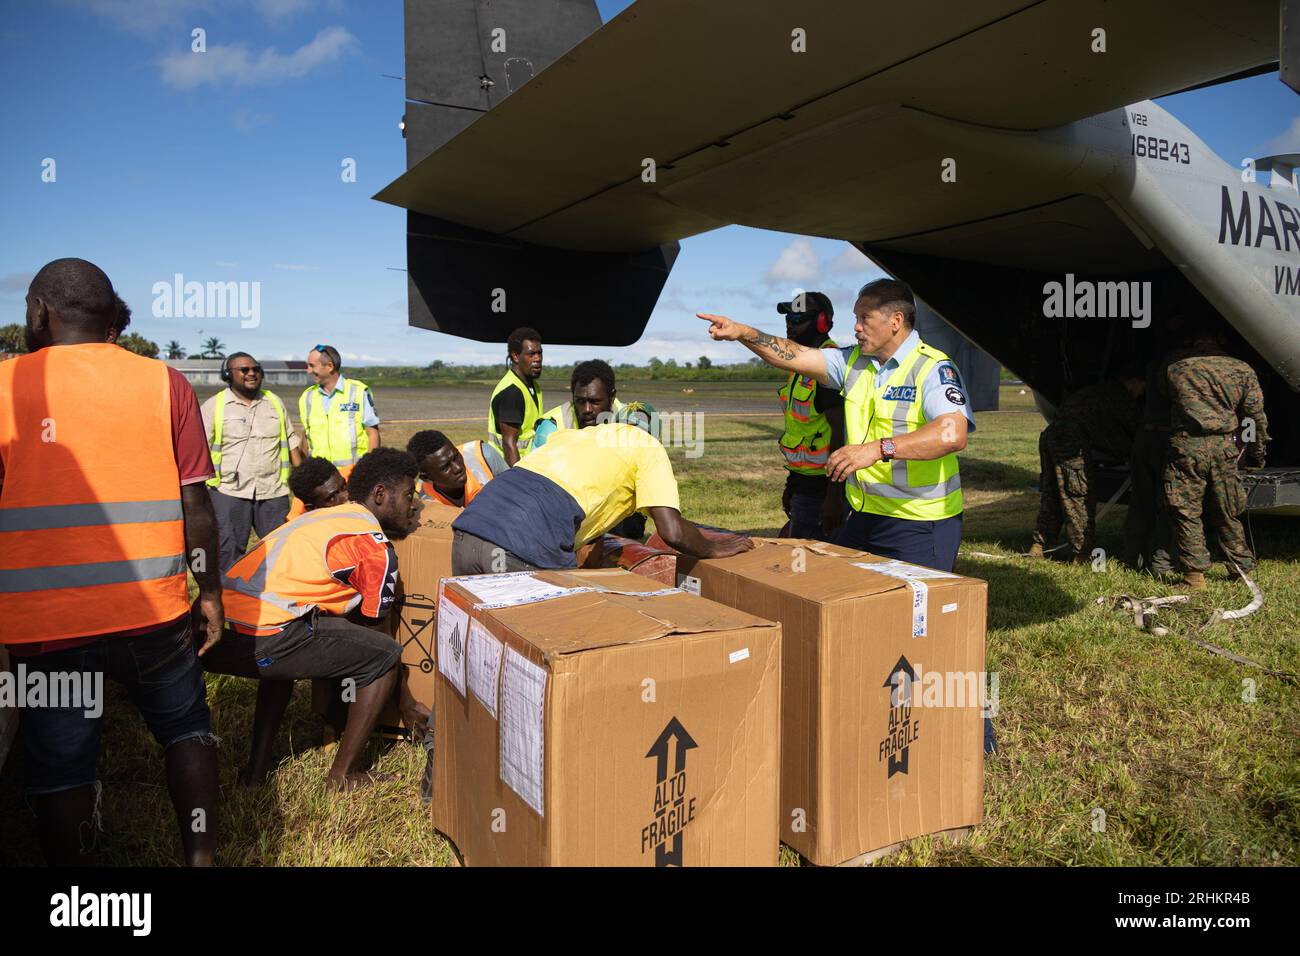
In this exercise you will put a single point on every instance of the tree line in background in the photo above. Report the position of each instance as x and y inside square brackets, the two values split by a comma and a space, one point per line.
[701, 370]
[13, 338]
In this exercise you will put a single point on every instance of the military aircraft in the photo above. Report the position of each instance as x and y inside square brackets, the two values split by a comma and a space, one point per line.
[1001, 156]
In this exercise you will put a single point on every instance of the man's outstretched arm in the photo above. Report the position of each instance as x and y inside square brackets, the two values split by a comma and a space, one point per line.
[775, 351]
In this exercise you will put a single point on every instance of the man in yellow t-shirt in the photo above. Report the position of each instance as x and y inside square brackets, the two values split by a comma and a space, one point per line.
[570, 491]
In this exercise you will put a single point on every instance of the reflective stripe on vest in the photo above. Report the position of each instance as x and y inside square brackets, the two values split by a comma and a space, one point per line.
[90, 543]
[472, 452]
[917, 490]
[532, 412]
[218, 426]
[287, 574]
[337, 436]
[806, 441]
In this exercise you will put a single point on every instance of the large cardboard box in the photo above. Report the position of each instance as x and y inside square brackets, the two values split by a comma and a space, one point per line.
[593, 718]
[882, 674]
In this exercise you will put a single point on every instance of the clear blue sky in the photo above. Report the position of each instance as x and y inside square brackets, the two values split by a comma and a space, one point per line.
[234, 174]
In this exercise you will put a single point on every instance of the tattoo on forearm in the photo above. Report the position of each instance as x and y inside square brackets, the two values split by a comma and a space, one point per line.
[782, 348]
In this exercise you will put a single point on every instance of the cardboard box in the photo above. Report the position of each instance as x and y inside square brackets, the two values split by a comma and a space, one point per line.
[858, 772]
[614, 723]
[611, 551]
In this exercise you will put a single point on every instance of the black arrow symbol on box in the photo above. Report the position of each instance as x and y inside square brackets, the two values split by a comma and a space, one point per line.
[659, 750]
[898, 762]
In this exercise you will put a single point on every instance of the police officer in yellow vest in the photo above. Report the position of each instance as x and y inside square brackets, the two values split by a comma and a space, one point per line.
[338, 414]
[253, 446]
[516, 403]
[906, 416]
[814, 426]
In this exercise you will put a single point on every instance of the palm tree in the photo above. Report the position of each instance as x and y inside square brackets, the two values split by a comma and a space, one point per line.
[213, 348]
[175, 350]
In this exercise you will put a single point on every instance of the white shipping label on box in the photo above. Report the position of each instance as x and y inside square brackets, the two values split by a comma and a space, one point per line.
[689, 584]
[484, 665]
[508, 590]
[914, 576]
[523, 728]
[453, 623]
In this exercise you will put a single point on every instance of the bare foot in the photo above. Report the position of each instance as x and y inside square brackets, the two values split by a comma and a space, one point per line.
[357, 781]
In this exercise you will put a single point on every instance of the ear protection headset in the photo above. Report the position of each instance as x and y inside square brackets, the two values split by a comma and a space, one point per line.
[823, 323]
[225, 370]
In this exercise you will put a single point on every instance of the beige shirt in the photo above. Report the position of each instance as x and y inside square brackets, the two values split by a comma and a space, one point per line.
[250, 446]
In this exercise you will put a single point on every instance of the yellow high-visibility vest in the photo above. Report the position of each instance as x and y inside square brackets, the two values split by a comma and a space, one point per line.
[218, 426]
[532, 412]
[916, 490]
[338, 435]
[563, 417]
[806, 441]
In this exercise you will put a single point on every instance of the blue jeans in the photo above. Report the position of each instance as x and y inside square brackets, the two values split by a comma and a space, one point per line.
[160, 671]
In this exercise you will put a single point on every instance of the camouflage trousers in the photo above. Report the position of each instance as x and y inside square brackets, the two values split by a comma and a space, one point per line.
[1147, 534]
[1203, 487]
[1065, 499]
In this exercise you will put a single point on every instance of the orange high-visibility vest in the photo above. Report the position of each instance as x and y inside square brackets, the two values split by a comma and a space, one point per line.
[92, 537]
[477, 474]
[286, 574]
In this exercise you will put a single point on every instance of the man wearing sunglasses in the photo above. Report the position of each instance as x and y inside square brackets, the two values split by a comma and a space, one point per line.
[253, 446]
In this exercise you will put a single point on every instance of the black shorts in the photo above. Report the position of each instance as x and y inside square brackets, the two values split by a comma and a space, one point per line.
[314, 646]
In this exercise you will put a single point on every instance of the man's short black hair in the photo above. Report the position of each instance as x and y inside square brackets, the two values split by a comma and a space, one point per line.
[383, 466]
[234, 355]
[515, 344]
[425, 443]
[310, 475]
[79, 292]
[589, 371]
[889, 296]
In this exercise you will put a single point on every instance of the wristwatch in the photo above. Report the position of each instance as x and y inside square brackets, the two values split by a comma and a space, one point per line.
[886, 449]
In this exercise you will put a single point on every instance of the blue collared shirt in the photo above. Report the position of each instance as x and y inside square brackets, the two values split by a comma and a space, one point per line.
[370, 418]
[942, 391]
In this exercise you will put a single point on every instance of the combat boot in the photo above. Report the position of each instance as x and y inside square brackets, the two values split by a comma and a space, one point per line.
[1194, 581]
[1036, 550]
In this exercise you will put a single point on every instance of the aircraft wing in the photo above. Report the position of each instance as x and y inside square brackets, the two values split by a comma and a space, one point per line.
[743, 128]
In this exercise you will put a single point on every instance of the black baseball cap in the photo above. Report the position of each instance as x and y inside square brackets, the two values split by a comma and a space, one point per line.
[812, 302]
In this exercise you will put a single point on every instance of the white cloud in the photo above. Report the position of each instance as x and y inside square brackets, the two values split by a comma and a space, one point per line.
[150, 16]
[236, 65]
[16, 281]
[228, 265]
[796, 263]
[851, 260]
[1287, 142]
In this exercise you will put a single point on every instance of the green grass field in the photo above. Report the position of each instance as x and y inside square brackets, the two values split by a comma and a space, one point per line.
[1193, 759]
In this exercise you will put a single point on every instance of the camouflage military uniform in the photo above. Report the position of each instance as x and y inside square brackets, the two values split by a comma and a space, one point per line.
[1148, 538]
[1210, 394]
[1093, 423]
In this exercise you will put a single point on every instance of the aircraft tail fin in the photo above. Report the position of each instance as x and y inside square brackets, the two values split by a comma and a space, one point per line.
[463, 57]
